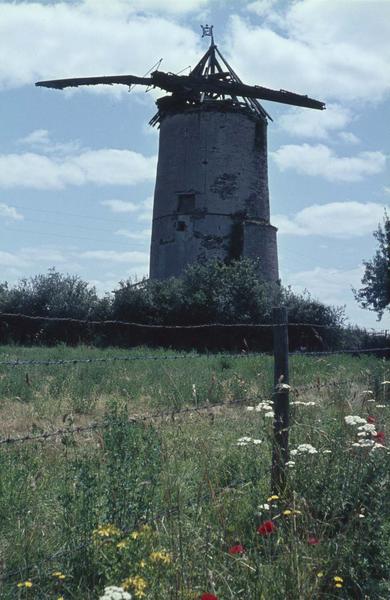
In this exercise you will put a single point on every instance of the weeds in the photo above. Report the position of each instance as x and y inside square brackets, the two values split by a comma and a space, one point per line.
[180, 508]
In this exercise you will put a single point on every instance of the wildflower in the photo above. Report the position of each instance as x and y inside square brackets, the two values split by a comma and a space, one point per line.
[122, 544]
[266, 528]
[287, 512]
[135, 535]
[304, 449]
[256, 442]
[265, 506]
[208, 597]
[106, 531]
[25, 584]
[367, 428]
[59, 575]
[371, 419]
[301, 403]
[320, 574]
[338, 581]
[385, 382]
[363, 443]
[381, 406]
[354, 420]
[366, 392]
[312, 540]
[290, 464]
[283, 387]
[262, 406]
[269, 415]
[237, 549]
[113, 592]
[138, 583]
[273, 498]
[161, 556]
[327, 452]
[244, 441]
[380, 437]
[361, 516]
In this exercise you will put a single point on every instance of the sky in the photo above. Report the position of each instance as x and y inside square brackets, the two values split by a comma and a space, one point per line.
[77, 167]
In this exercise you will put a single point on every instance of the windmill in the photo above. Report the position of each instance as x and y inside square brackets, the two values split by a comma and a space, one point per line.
[211, 198]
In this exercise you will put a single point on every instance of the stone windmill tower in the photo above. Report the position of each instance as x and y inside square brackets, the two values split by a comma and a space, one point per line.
[211, 198]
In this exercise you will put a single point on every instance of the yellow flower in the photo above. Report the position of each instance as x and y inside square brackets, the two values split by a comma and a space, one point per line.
[272, 498]
[122, 544]
[106, 531]
[139, 584]
[26, 584]
[320, 574]
[146, 529]
[338, 585]
[60, 598]
[287, 512]
[59, 575]
[338, 579]
[135, 535]
[142, 564]
[161, 556]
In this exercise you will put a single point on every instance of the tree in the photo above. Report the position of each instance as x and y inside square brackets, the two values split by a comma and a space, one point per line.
[375, 293]
[53, 295]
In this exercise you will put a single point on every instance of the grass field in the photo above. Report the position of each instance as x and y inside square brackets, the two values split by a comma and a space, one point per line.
[179, 506]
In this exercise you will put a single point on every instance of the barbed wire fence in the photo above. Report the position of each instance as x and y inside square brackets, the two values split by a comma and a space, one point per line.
[280, 394]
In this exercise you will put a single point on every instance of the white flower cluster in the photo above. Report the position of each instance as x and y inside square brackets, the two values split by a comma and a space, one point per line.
[290, 464]
[115, 593]
[364, 443]
[301, 403]
[304, 449]
[262, 406]
[354, 420]
[366, 430]
[245, 441]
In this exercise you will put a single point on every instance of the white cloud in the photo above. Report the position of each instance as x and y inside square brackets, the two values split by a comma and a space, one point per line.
[348, 137]
[74, 39]
[261, 7]
[120, 206]
[124, 7]
[313, 123]
[9, 212]
[335, 220]
[320, 160]
[9, 259]
[326, 49]
[334, 286]
[329, 285]
[138, 258]
[40, 140]
[106, 166]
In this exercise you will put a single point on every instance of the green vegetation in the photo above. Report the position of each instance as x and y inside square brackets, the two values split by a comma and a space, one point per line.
[177, 506]
[375, 293]
[213, 292]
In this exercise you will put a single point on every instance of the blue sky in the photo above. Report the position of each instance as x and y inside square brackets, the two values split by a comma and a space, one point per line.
[77, 168]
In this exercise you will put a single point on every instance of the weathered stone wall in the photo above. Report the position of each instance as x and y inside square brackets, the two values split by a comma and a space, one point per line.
[211, 197]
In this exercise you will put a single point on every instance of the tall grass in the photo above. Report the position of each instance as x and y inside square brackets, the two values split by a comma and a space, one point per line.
[175, 507]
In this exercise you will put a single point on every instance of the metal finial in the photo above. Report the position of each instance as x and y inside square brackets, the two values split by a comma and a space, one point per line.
[207, 31]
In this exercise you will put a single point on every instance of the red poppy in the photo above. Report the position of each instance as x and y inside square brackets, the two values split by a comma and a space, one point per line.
[237, 549]
[380, 437]
[207, 596]
[312, 540]
[371, 419]
[266, 528]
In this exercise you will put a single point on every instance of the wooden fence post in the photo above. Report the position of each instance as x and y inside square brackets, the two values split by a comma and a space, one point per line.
[281, 400]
